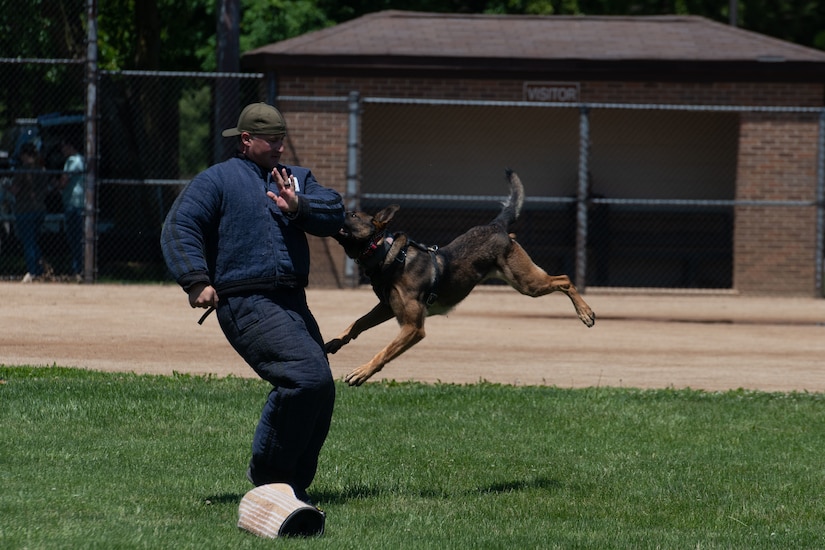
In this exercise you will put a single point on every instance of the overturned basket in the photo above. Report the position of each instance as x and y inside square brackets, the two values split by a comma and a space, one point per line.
[272, 511]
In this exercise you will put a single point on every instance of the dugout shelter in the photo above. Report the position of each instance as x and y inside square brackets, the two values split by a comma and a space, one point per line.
[702, 142]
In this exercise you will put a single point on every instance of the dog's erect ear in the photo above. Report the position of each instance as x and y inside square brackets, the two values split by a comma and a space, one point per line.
[383, 217]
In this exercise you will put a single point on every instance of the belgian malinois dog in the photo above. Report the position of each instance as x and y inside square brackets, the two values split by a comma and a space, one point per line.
[413, 281]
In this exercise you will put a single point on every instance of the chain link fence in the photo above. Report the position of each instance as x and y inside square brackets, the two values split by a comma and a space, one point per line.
[656, 187]
[617, 195]
[154, 131]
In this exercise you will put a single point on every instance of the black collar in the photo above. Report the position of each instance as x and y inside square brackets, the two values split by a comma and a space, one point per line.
[375, 251]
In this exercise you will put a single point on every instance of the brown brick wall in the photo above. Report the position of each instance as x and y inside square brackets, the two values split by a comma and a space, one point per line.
[774, 248]
[317, 139]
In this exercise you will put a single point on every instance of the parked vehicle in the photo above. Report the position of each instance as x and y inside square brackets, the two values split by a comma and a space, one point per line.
[46, 132]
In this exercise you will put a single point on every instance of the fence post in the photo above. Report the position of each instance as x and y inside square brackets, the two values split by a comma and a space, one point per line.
[351, 197]
[90, 206]
[582, 199]
[820, 205]
[227, 88]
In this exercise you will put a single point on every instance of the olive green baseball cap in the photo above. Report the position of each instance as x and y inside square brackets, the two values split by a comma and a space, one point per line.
[259, 119]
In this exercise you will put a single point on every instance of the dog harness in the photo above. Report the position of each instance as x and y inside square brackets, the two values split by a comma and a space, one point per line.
[432, 295]
[374, 261]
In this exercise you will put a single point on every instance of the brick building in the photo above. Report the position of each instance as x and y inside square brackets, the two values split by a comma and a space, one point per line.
[764, 162]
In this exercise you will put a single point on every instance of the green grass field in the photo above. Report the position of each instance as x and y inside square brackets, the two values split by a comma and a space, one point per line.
[98, 460]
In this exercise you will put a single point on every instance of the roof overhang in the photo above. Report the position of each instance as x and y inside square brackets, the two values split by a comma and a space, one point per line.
[767, 70]
[612, 48]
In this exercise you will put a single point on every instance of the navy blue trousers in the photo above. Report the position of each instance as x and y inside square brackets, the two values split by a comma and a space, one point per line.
[28, 228]
[279, 338]
[74, 238]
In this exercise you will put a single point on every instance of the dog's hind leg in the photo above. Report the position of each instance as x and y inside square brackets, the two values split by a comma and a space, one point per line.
[525, 276]
[375, 317]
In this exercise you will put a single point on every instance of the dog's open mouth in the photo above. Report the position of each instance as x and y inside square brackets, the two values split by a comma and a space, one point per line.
[342, 234]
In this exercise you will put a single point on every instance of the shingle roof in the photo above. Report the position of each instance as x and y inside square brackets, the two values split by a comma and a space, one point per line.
[431, 41]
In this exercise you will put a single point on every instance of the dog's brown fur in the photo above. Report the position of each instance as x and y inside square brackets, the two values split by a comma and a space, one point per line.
[413, 281]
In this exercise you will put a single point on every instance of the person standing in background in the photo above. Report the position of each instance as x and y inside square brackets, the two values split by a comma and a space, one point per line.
[29, 187]
[72, 183]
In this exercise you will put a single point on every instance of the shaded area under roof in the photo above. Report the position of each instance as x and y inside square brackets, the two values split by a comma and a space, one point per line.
[655, 47]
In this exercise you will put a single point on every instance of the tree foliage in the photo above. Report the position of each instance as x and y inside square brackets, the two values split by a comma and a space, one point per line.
[186, 30]
[154, 34]
[42, 28]
[181, 34]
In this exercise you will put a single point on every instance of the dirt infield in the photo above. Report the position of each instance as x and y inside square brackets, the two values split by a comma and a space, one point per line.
[711, 342]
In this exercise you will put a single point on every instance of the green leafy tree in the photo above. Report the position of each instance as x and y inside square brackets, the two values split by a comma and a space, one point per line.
[181, 35]
[154, 34]
[267, 21]
[799, 21]
[40, 29]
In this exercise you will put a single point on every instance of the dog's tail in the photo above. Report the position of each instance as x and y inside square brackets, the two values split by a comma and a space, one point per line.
[512, 206]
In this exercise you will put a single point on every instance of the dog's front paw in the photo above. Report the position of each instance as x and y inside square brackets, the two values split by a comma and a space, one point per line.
[353, 379]
[358, 376]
